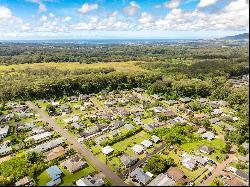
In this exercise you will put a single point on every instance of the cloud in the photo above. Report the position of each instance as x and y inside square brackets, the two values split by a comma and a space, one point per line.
[172, 4]
[6, 16]
[132, 9]
[5, 13]
[145, 20]
[66, 19]
[42, 6]
[234, 16]
[87, 8]
[43, 18]
[51, 15]
[206, 3]
[157, 6]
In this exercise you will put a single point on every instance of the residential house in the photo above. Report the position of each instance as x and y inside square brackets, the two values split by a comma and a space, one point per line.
[172, 102]
[48, 145]
[115, 133]
[77, 125]
[148, 127]
[25, 126]
[155, 138]
[216, 112]
[158, 109]
[89, 131]
[88, 104]
[243, 175]
[102, 127]
[101, 139]
[202, 100]
[84, 97]
[244, 159]
[201, 116]
[107, 150]
[214, 121]
[55, 175]
[38, 130]
[162, 180]
[25, 181]
[208, 135]
[5, 149]
[206, 149]
[90, 181]
[177, 175]
[117, 124]
[139, 176]
[138, 90]
[185, 99]
[129, 126]
[109, 103]
[155, 96]
[201, 130]
[39, 137]
[188, 161]
[246, 145]
[138, 149]
[55, 153]
[123, 111]
[73, 99]
[65, 109]
[147, 143]
[74, 163]
[4, 131]
[229, 127]
[128, 161]
[170, 113]
[232, 181]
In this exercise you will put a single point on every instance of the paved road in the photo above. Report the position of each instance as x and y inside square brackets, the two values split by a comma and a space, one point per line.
[76, 145]
[218, 170]
[143, 160]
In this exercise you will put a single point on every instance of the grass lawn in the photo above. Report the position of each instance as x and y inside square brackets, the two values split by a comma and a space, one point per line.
[43, 178]
[69, 178]
[218, 129]
[197, 181]
[125, 146]
[114, 163]
[147, 121]
[217, 144]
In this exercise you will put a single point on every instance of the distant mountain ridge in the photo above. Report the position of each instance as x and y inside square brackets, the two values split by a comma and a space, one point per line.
[237, 37]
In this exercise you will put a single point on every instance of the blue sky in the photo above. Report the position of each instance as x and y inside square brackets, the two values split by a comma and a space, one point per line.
[87, 19]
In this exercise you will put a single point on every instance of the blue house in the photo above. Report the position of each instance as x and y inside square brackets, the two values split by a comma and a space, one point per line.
[55, 174]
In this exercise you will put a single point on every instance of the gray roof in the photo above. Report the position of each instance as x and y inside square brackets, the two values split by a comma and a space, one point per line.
[149, 127]
[48, 145]
[89, 181]
[4, 149]
[206, 149]
[242, 174]
[4, 130]
[140, 176]
[185, 99]
[129, 126]
[127, 160]
[162, 180]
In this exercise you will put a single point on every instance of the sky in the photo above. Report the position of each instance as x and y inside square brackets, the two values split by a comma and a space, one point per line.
[122, 19]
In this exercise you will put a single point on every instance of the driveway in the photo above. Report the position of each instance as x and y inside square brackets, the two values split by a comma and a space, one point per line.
[77, 146]
[218, 170]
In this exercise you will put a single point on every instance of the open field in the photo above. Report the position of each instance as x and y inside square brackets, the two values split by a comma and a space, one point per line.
[118, 66]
